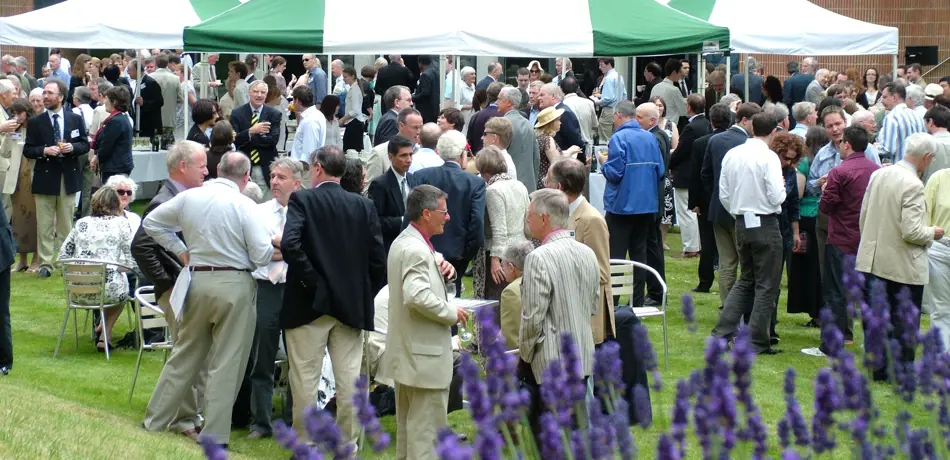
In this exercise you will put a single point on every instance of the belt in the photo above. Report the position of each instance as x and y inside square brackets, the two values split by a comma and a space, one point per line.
[204, 268]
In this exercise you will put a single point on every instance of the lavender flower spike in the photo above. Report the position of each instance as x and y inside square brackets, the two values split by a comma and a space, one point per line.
[689, 312]
[450, 447]
[366, 414]
[665, 449]
[213, 450]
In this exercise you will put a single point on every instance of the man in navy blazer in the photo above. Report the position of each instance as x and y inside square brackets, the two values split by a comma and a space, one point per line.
[570, 133]
[720, 117]
[257, 127]
[476, 126]
[465, 231]
[494, 73]
[724, 225]
[55, 139]
[389, 191]
[797, 84]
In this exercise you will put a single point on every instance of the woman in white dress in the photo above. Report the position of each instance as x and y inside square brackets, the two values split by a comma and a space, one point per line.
[463, 101]
[104, 235]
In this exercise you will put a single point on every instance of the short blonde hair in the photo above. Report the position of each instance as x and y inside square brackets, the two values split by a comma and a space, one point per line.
[501, 127]
[491, 161]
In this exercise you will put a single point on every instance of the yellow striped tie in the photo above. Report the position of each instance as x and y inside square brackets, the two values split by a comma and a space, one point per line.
[255, 158]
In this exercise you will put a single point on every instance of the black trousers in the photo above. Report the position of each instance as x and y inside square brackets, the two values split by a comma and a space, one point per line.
[760, 258]
[835, 293]
[708, 255]
[254, 402]
[629, 234]
[6, 333]
[106, 175]
[655, 259]
[897, 330]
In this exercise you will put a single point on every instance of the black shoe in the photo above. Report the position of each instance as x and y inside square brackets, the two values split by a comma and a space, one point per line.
[4, 370]
[774, 340]
[703, 289]
[44, 273]
[770, 352]
[648, 302]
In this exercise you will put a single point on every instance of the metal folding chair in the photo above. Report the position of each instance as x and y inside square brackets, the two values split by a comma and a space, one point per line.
[148, 316]
[86, 277]
[622, 282]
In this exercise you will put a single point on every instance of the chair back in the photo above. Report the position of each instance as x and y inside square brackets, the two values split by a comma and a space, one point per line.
[150, 316]
[622, 276]
[85, 281]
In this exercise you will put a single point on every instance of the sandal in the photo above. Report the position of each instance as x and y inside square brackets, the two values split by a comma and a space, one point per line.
[812, 323]
[19, 268]
[101, 348]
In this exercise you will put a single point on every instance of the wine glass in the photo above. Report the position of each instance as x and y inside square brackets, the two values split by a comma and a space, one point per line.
[464, 334]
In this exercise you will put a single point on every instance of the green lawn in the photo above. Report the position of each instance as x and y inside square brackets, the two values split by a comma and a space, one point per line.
[76, 405]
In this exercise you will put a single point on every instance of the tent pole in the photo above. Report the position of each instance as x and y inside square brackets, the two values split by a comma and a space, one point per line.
[746, 59]
[330, 75]
[728, 71]
[632, 77]
[138, 89]
[701, 73]
[456, 83]
[202, 91]
[184, 123]
[443, 62]
[894, 69]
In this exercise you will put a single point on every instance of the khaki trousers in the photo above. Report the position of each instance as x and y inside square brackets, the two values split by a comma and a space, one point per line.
[193, 400]
[54, 221]
[728, 259]
[220, 314]
[420, 413]
[605, 127]
[306, 347]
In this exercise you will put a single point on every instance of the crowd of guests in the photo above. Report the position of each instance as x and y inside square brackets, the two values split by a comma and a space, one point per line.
[491, 177]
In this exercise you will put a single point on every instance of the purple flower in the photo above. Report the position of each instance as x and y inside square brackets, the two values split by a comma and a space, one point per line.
[450, 447]
[643, 347]
[556, 394]
[579, 445]
[909, 316]
[323, 430]
[854, 284]
[213, 450]
[831, 336]
[621, 420]
[689, 312]
[641, 402]
[551, 444]
[854, 384]
[366, 414]
[927, 365]
[877, 324]
[742, 358]
[608, 368]
[602, 435]
[475, 389]
[285, 435]
[793, 413]
[790, 454]
[666, 449]
[488, 442]
[574, 367]
[827, 401]
[681, 415]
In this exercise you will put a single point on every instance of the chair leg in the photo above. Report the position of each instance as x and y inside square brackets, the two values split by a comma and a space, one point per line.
[138, 363]
[76, 326]
[62, 332]
[666, 344]
[128, 311]
[105, 332]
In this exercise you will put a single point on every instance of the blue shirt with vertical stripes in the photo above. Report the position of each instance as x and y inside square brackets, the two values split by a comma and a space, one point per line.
[897, 126]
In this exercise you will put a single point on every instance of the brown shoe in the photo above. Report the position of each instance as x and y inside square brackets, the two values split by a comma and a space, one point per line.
[191, 434]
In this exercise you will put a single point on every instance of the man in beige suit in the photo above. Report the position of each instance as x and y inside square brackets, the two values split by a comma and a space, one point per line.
[8, 124]
[418, 343]
[171, 92]
[205, 78]
[589, 228]
[895, 235]
[559, 293]
[512, 262]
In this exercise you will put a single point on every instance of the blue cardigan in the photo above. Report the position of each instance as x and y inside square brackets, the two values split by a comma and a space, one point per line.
[114, 145]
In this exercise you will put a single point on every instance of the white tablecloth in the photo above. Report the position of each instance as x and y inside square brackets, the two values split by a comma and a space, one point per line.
[149, 166]
[598, 183]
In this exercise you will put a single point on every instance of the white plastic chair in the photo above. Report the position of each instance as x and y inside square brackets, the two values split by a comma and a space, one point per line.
[148, 316]
[86, 277]
[622, 281]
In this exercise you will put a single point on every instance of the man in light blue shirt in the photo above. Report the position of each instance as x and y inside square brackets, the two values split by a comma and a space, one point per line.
[612, 91]
[534, 90]
[56, 69]
[318, 79]
[899, 123]
[829, 156]
[805, 117]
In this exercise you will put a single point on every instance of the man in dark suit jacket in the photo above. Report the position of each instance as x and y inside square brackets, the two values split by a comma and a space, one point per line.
[797, 85]
[465, 231]
[476, 126]
[258, 129]
[334, 250]
[570, 133]
[55, 139]
[7, 254]
[389, 191]
[396, 98]
[719, 117]
[494, 73]
[681, 170]
[393, 74]
[149, 103]
[426, 97]
[716, 90]
[650, 114]
[723, 223]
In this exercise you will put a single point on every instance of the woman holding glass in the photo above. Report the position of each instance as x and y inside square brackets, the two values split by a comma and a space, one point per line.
[19, 184]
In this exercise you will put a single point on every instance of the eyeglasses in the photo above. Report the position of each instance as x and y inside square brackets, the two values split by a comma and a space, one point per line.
[306, 59]
[124, 192]
[535, 71]
[489, 132]
[443, 211]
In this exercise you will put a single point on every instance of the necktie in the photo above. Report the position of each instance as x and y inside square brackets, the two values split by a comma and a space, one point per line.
[57, 134]
[255, 157]
[402, 191]
[278, 271]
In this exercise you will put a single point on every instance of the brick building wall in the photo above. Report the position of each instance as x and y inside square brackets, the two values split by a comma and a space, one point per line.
[920, 23]
[13, 8]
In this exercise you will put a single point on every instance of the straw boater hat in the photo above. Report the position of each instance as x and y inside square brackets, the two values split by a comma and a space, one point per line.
[548, 116]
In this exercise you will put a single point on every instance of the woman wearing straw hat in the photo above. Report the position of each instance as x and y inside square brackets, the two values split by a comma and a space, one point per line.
[548, 124]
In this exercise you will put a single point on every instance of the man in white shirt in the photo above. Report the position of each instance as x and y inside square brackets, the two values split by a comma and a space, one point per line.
[226, 241]
[285, 175]
[582, 107]
[752, 189]
[426, 157]
[669, 90]
[311, 131]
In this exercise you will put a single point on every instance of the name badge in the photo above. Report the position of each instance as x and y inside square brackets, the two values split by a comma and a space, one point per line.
[75, 133]
[573, 234]
[16, 136]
